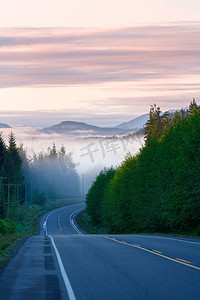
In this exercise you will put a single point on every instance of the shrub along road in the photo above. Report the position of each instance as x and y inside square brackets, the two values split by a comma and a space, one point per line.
[63, 263]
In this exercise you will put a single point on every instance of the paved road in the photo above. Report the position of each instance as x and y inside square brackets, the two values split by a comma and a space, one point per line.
[63, 263]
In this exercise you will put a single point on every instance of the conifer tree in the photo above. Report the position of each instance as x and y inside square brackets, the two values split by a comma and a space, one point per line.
[157, 124]
[193, 107]
[14, 162]
[65, 159]
[25, 161]
[2, 155]
[62, 161]
[53, 152]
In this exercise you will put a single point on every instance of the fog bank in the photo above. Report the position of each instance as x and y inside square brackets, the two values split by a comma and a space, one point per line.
[89, 155]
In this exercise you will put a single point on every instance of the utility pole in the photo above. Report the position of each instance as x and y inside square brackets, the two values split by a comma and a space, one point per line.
[26, 197]
[1, 204]
[53, 178]
[17, 201]
[83, 187]
[31, 192]
[8, 208]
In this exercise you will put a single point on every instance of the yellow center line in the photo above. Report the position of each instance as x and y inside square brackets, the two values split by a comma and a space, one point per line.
[155, 253]
[184, 260]
[59, 221]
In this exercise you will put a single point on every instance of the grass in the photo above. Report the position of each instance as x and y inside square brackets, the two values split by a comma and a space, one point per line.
[84, 221]
[28, 224]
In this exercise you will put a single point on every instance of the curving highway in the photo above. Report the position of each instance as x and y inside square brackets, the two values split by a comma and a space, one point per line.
[64, 263]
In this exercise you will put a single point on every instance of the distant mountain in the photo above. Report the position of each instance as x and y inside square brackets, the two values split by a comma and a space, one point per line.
[74, 128]
[81, 129]
[2, 125]
[137, 123]
[134, 124]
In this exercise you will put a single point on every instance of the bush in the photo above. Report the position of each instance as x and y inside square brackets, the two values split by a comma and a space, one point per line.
[6, 226]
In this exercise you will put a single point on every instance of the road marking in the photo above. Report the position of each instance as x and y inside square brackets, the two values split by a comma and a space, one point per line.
[72, 221]
[63, 273]
[59, 221]
[46, 219]
[52, 212]
[184, 260]
[44, 225]
[155, 253]
[166, 238]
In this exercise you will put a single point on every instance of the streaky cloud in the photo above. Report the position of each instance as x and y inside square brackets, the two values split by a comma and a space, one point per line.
[40, 57]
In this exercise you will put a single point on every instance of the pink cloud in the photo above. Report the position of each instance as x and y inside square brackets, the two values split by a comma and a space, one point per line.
[65, 56]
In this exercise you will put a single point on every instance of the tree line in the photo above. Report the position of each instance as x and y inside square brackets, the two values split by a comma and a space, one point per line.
[54, 173]
[158, 190]
[25, 181]
[10, 173]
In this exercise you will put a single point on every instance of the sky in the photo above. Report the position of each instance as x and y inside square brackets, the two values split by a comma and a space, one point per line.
[101, 62]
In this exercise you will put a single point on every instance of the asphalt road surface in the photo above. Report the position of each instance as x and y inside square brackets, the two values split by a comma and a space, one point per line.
[64, 263]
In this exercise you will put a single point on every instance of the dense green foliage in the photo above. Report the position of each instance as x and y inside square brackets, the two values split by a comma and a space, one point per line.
[28, 224]
[11, 175]
[6, 227]
[25, 182]
[24, 186]
[159, 189]
[96, 193]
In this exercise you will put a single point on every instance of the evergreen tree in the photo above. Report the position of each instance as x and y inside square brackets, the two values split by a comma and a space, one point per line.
[95, 194]
[3, 153]
[157, 124]
[53, 152]
[62, 156]
[157, 190]
[65, 159]
[176, 118]
[54, 173]
[14, 162]
[25, 161]
[193, 108]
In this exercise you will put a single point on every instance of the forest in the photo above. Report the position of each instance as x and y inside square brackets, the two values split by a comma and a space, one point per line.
[158, 190]
[26, 183]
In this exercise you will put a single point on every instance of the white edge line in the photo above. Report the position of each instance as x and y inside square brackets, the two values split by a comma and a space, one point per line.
[46, 219]
[72, 221]
[63, 273]
[50, 213]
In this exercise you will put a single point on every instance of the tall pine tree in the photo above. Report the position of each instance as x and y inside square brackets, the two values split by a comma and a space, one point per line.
[157, 124]
[14, 162]
[193, 108]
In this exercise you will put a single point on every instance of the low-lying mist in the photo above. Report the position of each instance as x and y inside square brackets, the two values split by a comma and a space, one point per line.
[88, 154]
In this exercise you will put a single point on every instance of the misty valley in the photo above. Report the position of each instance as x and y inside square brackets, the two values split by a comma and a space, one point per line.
[124, 186]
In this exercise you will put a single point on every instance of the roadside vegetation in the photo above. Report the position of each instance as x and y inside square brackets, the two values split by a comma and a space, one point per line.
[158, 190]
[13, 233]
